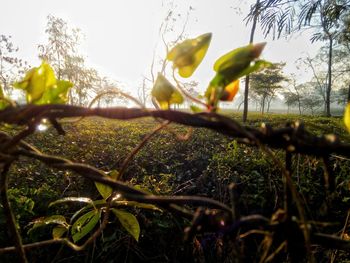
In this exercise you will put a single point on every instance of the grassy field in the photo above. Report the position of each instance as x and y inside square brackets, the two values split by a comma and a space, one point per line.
[203, 165]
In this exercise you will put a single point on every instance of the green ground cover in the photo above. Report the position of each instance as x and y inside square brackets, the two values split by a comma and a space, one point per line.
[203, 165]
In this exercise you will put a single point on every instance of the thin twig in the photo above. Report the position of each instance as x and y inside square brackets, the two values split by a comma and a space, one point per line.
[10, 218]
[335, 253]
[138, 148]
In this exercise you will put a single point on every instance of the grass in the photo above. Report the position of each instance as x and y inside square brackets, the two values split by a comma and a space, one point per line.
[204, 165]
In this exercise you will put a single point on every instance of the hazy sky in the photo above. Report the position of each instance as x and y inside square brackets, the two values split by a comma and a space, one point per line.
[120, 36]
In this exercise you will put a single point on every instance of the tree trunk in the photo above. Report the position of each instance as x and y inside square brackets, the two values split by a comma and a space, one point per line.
[263, 104]
[246, 84]
[329, 84]
[299, 106]
[349, 94]
[269, 100]
[239, 105]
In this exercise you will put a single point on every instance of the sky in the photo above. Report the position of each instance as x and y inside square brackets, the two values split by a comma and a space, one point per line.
[120, 37]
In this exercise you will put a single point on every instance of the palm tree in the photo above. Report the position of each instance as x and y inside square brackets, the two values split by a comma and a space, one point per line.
[254, 18]
[285, 16]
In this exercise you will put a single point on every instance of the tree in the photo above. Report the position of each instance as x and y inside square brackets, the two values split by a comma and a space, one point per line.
[255, 11]
[328, 15]
[297, 91]
[112, 94]
[61, 52]
[342, 96]
[142, 92]
[305, 96]
[84, 79]
[319, 79]
[10, 65]
[62, 43]
[277, 16]
[344, 34]
[340, 73]
[266, 83]
[290, 99]
[311, 101]
[342, 70]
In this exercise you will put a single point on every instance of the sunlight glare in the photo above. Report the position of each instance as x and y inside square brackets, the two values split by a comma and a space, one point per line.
[116, 197]
[41, 127]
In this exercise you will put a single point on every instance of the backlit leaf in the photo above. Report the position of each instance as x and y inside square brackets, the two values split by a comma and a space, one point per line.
[229, 68]
[233, 63]
[347, 116]
[3, 101]
[195, 109]
[42, 87]
[105, 190]
[72, 199]
[165, 93]
[258, 65]
[230, 91]
[129, 222]
[56, 94]
[187, 55]
[85, 224]
[88, 207]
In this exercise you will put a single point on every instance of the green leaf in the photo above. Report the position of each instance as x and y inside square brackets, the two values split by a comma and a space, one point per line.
[258, 65]
[56, 94]
[238, 59]
[85, 224]
[345, 199]
[1, 92]
[236, 64]
[195, 109]
[138, 205]
[230, 91]
[96, 203]
[59, 231]
[347, 116]
[187, 55]
[73, 199]
[105, 190]
[165, 93]
[129, 222]
[143, 189]
[3, 100]
[43, 221]
[42, 87]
